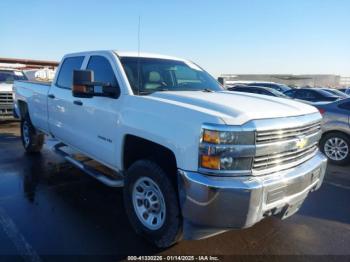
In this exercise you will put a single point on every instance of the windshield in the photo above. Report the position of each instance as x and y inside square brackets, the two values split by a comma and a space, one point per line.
[8, 76]
[166, 75]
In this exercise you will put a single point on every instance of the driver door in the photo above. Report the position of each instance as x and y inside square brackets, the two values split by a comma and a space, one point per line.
[97, 117]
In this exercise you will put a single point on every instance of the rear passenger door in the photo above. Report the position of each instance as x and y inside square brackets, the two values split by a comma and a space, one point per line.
[62, 122]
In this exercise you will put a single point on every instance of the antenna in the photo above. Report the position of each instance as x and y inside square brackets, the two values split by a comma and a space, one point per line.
[138, 55]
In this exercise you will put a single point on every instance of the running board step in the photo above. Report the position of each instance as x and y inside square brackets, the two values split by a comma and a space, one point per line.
[115, 181]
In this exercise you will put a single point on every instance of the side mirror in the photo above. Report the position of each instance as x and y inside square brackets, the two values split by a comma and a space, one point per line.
[84, 86]
[83, 83]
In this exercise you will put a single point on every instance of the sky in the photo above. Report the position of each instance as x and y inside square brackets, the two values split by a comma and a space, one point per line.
[223, 36]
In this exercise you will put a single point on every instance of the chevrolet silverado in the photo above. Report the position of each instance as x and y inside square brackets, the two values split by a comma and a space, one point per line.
[193, 159]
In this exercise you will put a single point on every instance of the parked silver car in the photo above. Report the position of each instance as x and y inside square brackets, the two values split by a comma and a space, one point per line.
[335, 142]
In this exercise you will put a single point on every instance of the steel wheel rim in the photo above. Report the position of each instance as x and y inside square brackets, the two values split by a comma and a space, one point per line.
[149, 204]
[26, 136]
[336, 149]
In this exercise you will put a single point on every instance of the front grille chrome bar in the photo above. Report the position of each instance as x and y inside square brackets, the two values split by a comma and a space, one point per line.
[6, 99]
[270, 136]
[280, 159]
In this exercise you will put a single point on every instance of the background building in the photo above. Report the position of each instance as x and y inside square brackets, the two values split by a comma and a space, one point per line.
[293, 80]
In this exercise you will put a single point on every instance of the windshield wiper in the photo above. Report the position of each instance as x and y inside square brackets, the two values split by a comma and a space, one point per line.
[207, 90]
[148, 92]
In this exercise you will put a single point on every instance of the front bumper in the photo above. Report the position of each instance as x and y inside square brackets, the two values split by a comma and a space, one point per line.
[211, 204]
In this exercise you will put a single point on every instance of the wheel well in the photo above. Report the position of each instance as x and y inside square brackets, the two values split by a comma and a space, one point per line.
[136, 148]
[23, 108]
[336, 132]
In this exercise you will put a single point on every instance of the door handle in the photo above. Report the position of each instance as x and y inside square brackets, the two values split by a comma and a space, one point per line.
[51, 96]
[78, 103]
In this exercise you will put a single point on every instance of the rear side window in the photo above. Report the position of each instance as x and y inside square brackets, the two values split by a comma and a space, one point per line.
[65, 77]
[290, 93]
[345, 106]
[306, 94]
[311, 94]
[300, 94]
[237, 89]
[103, 71]
[261, 91]
[250, 90]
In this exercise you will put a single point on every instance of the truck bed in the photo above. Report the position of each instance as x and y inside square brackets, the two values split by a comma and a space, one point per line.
[34, 94]
[37, 82]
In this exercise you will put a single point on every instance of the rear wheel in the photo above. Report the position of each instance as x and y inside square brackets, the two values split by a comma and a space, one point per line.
[336, 146]
[151, 203]
[32, 140]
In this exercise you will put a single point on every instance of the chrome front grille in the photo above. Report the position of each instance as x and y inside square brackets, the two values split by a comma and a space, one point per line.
[6, 98]
[271, 136]
[293, 157]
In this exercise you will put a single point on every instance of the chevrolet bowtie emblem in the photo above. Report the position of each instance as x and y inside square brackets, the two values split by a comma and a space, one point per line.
[301, 143]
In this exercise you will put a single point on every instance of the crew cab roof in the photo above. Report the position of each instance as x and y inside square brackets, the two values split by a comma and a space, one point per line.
[146, 55]
[126, 54]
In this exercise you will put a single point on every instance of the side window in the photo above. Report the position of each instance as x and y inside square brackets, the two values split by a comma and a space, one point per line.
[263, 92]
[279, 89]
[103, 71]
[300, 94]
[305, 94]
[345, 106]
[290, 93]
[249, 90]
[310, 95]
[65, 76]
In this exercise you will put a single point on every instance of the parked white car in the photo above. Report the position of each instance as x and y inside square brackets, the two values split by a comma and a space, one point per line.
[194, 160]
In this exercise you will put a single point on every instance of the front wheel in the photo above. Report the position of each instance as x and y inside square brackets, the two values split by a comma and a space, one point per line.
[336, 146]
[32, 140]
[151, 203]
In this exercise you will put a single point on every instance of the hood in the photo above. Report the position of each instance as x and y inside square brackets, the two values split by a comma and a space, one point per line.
[4, 87]
[236, 108]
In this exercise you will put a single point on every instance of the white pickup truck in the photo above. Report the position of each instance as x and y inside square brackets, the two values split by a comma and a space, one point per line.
[7, 77]
[194, 159]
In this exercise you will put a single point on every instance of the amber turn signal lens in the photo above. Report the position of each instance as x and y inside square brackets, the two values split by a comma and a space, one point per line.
[211, 137]
[210, 162]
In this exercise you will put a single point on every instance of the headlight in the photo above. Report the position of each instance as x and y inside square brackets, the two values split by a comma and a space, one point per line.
[228, 137]
[226, 150]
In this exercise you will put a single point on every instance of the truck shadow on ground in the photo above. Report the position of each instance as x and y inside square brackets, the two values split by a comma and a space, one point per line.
[100, 208]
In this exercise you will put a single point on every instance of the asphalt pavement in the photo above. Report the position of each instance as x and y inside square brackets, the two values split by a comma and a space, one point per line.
[49, 210]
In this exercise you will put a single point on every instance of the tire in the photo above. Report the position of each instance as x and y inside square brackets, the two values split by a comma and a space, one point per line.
[340, 143]
[168, 227]
[32, 140]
